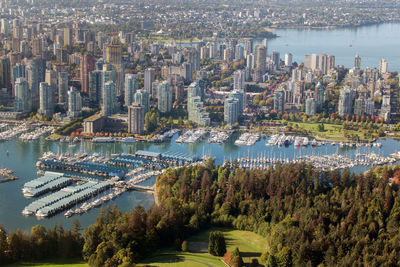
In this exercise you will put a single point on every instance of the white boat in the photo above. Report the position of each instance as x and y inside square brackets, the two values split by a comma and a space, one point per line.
[128, 140]
[39, 213]
[27, 212]
[69, 213]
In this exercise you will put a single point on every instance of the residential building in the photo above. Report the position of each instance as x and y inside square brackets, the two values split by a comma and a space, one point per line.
[136, 115]
[142, 97]
[46, 96]
[74, 102]
[149, 75]
[109, 106]
[231, 110]
[164, 95]
[131, 86]
[21, 96]
[345, 101]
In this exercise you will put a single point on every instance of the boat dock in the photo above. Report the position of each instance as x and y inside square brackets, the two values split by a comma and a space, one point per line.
[58, 183]
[40, 182]
[65, 198]
[247, 139]
[191, 136]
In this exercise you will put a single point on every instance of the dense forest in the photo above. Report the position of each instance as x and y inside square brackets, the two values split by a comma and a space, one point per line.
[309, 217]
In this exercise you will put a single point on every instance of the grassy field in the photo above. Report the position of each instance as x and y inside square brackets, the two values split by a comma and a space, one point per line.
[250, 245]
[332, 132]
[55, 263]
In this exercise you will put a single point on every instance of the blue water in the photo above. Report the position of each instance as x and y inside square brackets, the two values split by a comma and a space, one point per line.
[371, 43]
[23, 156]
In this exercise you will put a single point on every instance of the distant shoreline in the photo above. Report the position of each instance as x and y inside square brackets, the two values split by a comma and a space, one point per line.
[331, 27]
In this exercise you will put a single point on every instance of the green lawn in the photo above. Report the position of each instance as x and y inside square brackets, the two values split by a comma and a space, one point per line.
[332, 132]
[55, 263]
[250, 245]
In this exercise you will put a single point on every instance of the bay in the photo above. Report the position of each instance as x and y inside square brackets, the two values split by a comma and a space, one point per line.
[22, 156]
[371, 43]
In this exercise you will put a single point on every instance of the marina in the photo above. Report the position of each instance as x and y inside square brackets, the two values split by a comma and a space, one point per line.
[247, 139]
[93, 174]
[219, 137]
[139, 158]
[36, 133]
[191, 136]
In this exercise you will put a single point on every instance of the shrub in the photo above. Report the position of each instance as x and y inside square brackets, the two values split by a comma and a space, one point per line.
[216, 244]
[184, 246]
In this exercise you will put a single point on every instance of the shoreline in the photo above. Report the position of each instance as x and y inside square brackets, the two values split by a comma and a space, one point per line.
[331, 27]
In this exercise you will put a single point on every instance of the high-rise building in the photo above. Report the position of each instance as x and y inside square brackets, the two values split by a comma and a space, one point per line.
[154, 89]
[4, 26]
[95, 86]
[265, 44]
[194, 89]
[164, 96]
[279, 101]
[248, 46]
[241, 97]
[238, 80]
[131, 87]
[383, 66]
[319, 95]
[250, 61]
[359, 106]
[288, 59]
[314, 62]
[231, 110]
[369, 107]
[5, 75]
[67, 36]
[114, 57]
[74, 102]
[136, 118]
[307, 61]
[323, 63]
[331, 63]
[109, 106]
[213, 50]
[311, 106]
[51, 79]
[193, 58]
[239, 52]
[21, 95]
[345, 101]
[357, 62]
[46, 96]
[62, 87]
[276, 59]
[228, 54]
[87, 65]
[196, 110]
[204, 52]
[142, 97]
[148, 79]
[24, 48]
[18, 71]
[62, 55]
[261, 58]
[37, 46]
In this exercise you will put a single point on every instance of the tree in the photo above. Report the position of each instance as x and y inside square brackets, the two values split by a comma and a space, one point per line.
[285, 257]
[216, 244]
[3, 244]
[185, 246]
